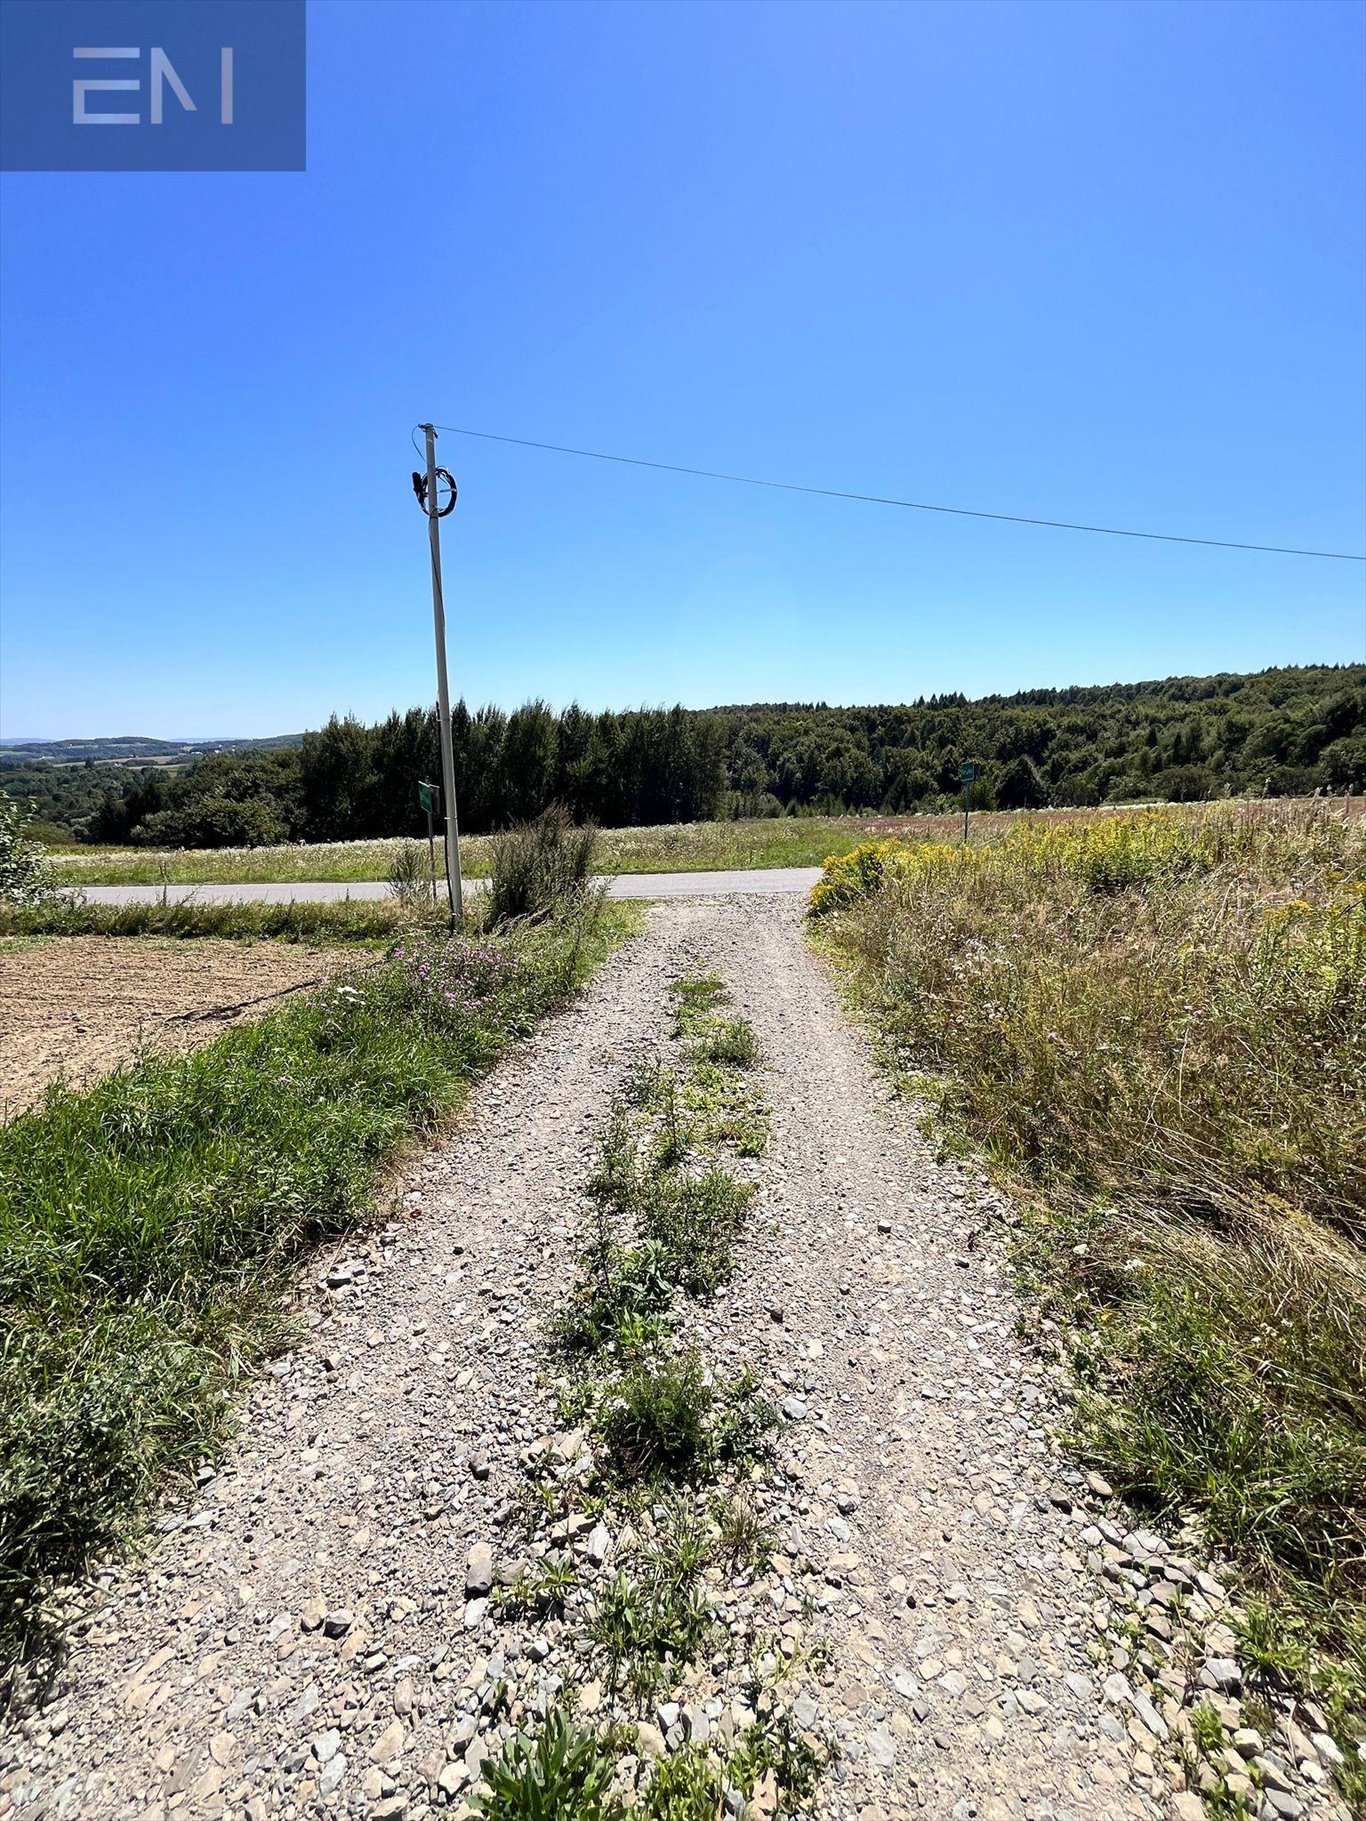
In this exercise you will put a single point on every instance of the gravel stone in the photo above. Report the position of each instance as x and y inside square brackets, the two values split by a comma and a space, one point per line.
[479, 1570]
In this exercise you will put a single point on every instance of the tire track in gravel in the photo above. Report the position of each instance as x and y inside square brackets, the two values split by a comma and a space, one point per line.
[301, 1643]
[959, 1608]
[919, 1480]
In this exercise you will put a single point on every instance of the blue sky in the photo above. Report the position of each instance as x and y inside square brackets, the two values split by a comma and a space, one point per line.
[1101, 262]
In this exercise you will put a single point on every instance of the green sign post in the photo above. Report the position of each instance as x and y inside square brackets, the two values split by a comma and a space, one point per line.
[967, 771]
[429, 798]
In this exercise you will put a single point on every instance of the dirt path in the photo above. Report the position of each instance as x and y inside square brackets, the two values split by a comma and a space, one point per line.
[78, 1006]
[304, 1640]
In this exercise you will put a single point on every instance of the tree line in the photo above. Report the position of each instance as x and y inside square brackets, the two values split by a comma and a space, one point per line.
[351, 782]
[1277, 732]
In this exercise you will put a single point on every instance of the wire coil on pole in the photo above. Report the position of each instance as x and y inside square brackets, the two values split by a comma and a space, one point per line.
[420, 489]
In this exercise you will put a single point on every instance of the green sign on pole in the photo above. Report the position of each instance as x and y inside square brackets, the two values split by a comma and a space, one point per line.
[429, 798]
[967, 771]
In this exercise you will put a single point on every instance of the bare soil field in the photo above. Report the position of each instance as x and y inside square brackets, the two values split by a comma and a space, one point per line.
[77, 1007]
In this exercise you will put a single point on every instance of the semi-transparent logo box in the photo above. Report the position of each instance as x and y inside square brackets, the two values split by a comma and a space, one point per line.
[152, 85]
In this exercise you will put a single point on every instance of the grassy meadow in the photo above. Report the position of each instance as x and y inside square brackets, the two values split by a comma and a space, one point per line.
[670, 848]
[1154, 1026]
[149, 1226]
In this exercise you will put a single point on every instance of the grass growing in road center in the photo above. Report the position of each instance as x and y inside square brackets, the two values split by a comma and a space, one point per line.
[674, 1447]
[147, 1226]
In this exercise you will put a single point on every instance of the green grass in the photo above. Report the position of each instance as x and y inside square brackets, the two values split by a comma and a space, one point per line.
[670, 848]
[350, 921]
[565, 1772]
[1155, 1028]
[652, 1616]
[149, 1226]
[678, 847]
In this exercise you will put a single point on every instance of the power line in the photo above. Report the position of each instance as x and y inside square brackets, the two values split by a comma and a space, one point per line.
[876, 499]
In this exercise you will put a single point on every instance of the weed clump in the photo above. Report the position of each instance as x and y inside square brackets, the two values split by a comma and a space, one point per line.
[656, 1419]
[564, 1774]
[567, 1773]
[742, 1538]
[537, 866]
[732, 1044]
[541, 1592]
[619, 1301]
[652, 1617]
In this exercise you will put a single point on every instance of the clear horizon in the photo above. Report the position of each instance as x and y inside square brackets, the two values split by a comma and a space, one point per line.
[1102, 264]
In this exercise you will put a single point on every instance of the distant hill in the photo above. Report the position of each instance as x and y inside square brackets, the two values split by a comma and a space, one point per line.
[134, 749]
[64, 782]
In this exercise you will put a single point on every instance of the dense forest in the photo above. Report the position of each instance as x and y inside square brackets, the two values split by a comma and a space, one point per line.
[1277, 733]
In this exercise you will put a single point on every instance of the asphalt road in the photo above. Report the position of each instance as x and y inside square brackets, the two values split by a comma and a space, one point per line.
[622, 885]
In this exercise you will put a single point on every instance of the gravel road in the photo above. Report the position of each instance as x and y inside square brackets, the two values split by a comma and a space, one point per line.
[760, 880]
[304, 1641]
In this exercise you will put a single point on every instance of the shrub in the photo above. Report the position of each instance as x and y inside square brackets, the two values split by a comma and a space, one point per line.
[410, 875]
[213, 821]
[25, 877]
[538, 865]
[849, 877]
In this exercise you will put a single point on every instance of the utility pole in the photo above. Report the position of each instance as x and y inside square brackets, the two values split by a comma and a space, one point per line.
[443, 694]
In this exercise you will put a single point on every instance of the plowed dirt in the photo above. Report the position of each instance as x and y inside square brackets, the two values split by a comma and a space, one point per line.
[77, 1007]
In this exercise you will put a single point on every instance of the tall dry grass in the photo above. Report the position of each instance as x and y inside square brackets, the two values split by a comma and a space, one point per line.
[1155, 1026]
